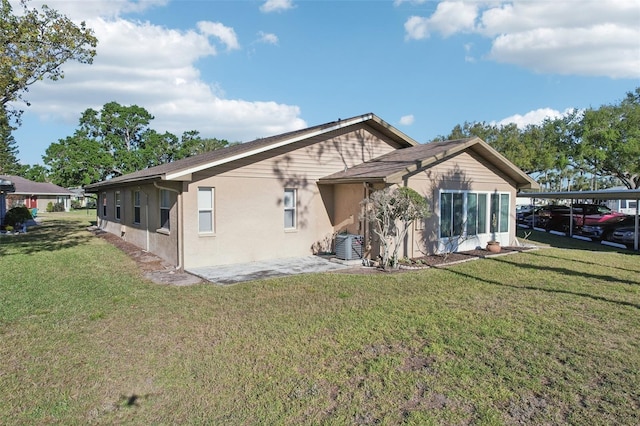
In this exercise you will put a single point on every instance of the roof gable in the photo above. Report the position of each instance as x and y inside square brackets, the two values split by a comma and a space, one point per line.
[394, 166]
[183, 169]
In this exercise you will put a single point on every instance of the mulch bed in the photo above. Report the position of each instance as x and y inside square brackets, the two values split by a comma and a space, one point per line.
[436, 260]
[452, 258]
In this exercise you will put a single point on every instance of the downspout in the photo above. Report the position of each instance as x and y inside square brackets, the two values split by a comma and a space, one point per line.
[179, 209]
[146, 216]
[365, 223]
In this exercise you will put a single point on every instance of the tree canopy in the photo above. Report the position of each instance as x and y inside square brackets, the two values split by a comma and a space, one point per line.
[34, 46]
[8, 150]
[582, 150]
[608, 140]
[118, 140]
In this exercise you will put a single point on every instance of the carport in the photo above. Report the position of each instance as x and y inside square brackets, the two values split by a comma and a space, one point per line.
[604, 194]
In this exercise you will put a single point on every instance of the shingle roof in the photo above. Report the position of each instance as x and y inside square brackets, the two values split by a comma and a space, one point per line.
[27, 187]
[179, 168]
[391, 167]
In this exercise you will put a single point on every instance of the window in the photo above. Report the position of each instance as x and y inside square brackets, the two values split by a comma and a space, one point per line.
[117, 205]
[499, 213]
[467, 213]
[104, 204]
[205, 210]
[289, 208]
[165, 208]
[136, 207]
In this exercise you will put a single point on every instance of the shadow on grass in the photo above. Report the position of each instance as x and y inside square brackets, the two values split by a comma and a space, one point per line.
[49, 236]
[543, 254]
[559, 241]
[566, 271]
[546, 290]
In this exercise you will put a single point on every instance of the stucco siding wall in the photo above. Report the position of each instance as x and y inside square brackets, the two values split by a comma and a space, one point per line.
[146, 234]
[465, 172]
[249, 209]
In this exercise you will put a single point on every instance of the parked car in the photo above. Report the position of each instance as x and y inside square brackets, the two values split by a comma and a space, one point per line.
[592, 214]
[624, 235]
[541, 216]
[604, 229]
[558, 218]
[522, 212]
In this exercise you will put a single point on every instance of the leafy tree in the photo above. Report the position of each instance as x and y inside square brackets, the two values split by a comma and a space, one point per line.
[120, 129]
[609, 140]
[8, 150]
[117, 140]
[35, 173]
[192, 144]
[392, 211]
[77, 160]
[156, 148]
[34, 46]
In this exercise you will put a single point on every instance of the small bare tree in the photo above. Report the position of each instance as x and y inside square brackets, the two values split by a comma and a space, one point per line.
[392, 211]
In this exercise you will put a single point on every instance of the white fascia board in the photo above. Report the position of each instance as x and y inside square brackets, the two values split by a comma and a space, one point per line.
[339, 125]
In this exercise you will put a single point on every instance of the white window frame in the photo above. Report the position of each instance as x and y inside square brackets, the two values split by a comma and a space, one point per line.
[290, 208]
[136, 208]
[494, 223]
[206, 205]
[166, 225]
[118, 206]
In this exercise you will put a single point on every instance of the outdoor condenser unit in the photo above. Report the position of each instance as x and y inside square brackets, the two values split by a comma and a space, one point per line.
[349, 246]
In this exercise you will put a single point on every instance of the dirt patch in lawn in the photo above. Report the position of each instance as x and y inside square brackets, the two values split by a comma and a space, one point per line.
[153, 267]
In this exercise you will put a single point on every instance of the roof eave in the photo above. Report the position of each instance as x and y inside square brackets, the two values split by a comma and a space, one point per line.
[178, 175]
[98, 186]
[399, 135]
[522, 180]
[334, 181]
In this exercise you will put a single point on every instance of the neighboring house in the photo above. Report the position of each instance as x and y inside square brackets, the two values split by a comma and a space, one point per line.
[289, 195]
[37, 194]
[80, 199]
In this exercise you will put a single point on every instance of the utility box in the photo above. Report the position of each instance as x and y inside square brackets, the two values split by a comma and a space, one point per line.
[349, 246]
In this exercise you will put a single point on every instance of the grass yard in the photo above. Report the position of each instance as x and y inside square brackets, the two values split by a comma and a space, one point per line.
[544, 337]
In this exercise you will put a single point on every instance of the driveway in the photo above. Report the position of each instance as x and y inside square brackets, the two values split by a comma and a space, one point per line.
[232, 274]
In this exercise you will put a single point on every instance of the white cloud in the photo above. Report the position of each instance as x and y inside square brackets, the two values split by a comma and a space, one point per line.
[225, 34]
[399, 2]
[534, 117]
[449, 18]
[468, 57]
[267, 38]
[417, 28]
[87, 9]
[154, 67]
[276, 6]
[407, 120]
[593, 37]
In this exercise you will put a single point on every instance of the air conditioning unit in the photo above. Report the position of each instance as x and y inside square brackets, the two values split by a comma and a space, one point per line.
[349, 246]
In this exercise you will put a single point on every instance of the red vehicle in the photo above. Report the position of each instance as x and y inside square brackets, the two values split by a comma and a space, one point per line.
[583, 214]
[592, 214]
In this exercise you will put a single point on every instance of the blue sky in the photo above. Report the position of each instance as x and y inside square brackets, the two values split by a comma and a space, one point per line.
[240, 70]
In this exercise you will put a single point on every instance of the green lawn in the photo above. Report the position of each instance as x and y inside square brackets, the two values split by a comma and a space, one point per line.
[544, 337]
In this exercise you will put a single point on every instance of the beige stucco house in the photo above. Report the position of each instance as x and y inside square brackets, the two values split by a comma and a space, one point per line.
[289, 195]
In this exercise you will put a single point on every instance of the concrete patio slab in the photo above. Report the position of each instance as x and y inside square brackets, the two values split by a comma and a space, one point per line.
[232, 274]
